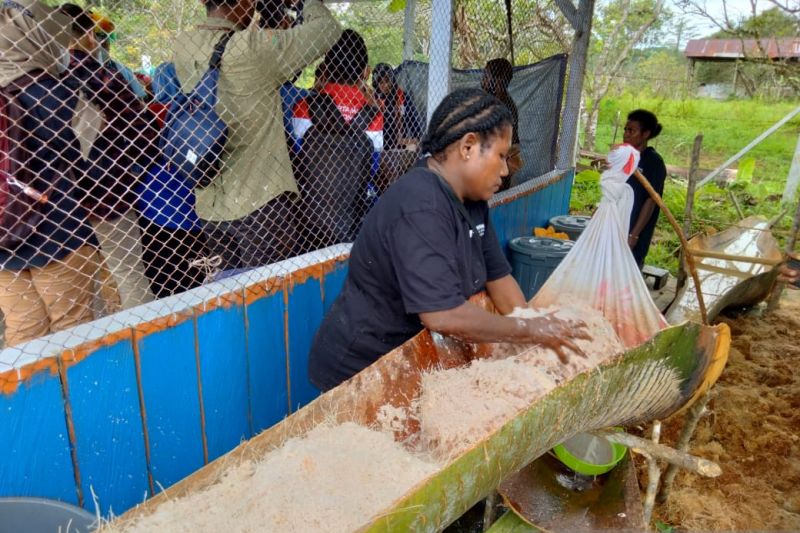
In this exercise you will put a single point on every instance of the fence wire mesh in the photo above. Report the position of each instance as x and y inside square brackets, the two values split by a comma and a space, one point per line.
[111, 196]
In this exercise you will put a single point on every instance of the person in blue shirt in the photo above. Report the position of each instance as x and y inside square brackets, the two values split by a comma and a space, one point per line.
[172, 240]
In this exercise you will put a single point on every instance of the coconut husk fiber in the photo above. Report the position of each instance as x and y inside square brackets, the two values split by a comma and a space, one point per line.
[752, 430]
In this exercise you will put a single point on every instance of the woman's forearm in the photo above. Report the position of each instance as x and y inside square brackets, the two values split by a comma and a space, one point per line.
[506, 294]
[471, 323]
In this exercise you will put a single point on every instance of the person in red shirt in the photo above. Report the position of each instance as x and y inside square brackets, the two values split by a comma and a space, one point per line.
[346, 73]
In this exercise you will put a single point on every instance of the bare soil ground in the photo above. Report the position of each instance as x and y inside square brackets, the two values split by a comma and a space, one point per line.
[752, 430]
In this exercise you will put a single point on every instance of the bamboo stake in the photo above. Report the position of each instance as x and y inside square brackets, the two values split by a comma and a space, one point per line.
[489, 510]
[777, 291]
[689, 427]
[689, 258]
[698, 465]
[653, 476]
[694, 164]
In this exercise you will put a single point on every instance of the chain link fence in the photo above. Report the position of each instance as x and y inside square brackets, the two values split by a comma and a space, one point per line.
[153, 147]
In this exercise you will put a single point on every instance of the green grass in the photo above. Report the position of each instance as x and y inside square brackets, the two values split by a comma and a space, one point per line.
[727, 126]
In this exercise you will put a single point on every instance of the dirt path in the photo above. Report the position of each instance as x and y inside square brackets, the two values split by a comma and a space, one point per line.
[752, 431]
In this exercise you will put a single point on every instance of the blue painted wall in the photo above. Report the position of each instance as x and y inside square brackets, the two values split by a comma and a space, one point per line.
[151, 407]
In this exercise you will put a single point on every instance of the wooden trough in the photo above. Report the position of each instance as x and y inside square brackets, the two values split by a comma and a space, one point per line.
[735, 268]
[651, 381]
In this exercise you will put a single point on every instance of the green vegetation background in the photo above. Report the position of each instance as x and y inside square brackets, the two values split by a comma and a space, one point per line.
[727, 126]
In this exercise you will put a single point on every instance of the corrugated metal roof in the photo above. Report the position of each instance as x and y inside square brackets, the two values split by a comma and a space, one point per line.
[782, 48]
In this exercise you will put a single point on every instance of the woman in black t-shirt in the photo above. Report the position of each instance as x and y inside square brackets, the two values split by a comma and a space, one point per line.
[428, 246]
[643, 126]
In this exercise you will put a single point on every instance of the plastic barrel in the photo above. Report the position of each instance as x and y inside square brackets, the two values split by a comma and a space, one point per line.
[35, 515]
[572, 225]
[533, 259]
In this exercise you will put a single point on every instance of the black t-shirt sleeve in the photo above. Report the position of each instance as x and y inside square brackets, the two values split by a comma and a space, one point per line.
[655, 171]
[496, 263]
[425, 261]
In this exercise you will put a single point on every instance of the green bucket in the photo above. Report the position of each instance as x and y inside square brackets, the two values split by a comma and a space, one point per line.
[590, 455]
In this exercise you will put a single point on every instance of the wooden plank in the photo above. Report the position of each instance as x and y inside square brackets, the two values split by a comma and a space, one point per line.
[266, 351]
[305, 316]
[109, 438]
[169, 388]
[332, 284]
[739, 258]
[34, 442]
[223, 377]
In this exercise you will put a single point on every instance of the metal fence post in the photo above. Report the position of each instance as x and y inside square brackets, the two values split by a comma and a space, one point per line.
[581, 20]
[441, 47]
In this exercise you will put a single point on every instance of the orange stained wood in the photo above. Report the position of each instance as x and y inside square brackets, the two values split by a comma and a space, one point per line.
[316, 271]
[262, 289]
[222, 301]
[10, 380]
[144, 329]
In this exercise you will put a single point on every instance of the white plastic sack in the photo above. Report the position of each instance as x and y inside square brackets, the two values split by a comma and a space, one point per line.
[600, 270]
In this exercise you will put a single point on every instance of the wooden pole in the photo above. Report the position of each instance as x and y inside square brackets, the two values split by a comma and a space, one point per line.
[698, 465]
[616, 128]
[689, 427]
[688, 211]
[684, 243]
[775, 298]
[653, 476]
[489, 511]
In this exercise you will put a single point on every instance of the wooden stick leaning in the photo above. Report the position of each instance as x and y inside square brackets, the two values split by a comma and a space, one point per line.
[684, 243]
[690, 194]
[689, 427]
[698, 465]
[653, 476]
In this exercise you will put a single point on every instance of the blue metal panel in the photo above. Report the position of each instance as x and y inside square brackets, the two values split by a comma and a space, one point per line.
[305, 316]
[332, 284]
[266, 349]
[34, 445]
[172, 403]
[109, 439]
[223, 373]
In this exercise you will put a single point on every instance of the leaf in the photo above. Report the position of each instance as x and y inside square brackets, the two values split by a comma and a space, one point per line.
[395, 6]
[747, 166]
[587, 175]
[663, 527]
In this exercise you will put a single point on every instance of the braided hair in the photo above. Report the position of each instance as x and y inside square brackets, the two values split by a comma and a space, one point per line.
[465, 111]
[647, 122]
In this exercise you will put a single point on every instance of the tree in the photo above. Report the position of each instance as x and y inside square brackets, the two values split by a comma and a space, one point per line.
[619, 26]
[480, 32]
